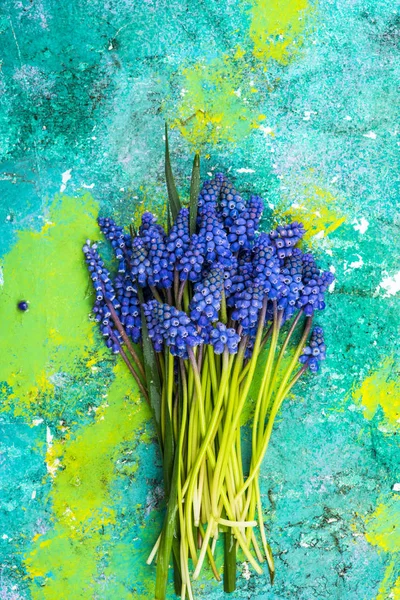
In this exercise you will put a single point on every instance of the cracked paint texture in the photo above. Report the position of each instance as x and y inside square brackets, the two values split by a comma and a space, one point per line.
[297, 99]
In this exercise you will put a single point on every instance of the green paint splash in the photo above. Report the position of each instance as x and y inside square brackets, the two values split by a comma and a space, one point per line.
[66, 561]
[48, 270]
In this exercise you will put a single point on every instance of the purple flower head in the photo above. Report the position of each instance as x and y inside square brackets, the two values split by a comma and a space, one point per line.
[149, 226]
[285, 237]
[178, 239]
[171, 326]
[190, 265]
[315, 284]
[140, 263]
[222, 337]
[120, 241]
[129, 312]
[315, 351]
[266, 267]
[209, 194]
[243, 230]
[161, 272]
[214, 238]
[291, 272]
[206, 301]
[247, 305]
[99, 275]
[231, 205]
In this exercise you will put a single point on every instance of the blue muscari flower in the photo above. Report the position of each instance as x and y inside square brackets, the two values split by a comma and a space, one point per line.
[173, 327]
[102, 315]
[179, 239]
[206, 302]
[315, 284]
[231, 204]
[209, 194]
[243, 275]
[129, 312]
[120, 241]
[222, 337]
[161, 272]
[139, 261]
[291, 271]
[214, 238]
[285, 237]
[149, 226]
[242, 232]
[190, 265]
[266, 267]
[100, 276]
[247, 305]
[315, 351]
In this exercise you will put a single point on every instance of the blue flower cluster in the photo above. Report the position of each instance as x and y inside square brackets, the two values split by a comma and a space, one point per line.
[173, 327]
[315, 351]
[225, 260]
[222, 337]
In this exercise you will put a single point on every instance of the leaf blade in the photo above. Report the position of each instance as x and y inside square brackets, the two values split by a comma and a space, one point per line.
[194, 193]
[173, 195]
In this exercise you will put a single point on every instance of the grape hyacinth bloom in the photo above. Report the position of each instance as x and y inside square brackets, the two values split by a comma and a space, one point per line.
[222, 337]
[206, 301]
[178, 239]
[315, 352]
[315, 284]
[285, 237]
[120, 241]
[173, 326]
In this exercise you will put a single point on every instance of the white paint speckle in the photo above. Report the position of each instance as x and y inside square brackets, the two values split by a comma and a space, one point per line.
[88, 186]
[1, 276]
[308, 114]
[33, 496]
[37, 422]
[357, 264]
[361, 225]
[4, 536]
[245, 170]
[347, 118]
[266, 130]
[246, 571]
[238, 92]
[370, 135]
[396, 487]
[332, 286]
[391, 285]
[319, 235]
[65, 178]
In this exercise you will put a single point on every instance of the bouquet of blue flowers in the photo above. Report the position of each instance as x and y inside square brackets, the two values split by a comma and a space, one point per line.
[194, 311]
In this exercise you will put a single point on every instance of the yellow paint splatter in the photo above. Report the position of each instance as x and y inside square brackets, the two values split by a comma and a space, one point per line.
[64, 562]
[46, 269]
[317, 212]
[277, 28]
[381, 389]
[383, 531]
[220, 97]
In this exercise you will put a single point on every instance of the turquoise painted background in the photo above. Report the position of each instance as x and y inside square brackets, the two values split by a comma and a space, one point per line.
[297, 100]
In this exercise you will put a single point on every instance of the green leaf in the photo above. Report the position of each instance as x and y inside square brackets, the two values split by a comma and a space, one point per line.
[151, 369]
[194, 192]
[173, 195]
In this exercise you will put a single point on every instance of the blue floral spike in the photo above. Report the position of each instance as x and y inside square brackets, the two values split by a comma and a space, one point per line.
[315, 351]
[99, 274]
[103, 316]
[315, 284]
[222, 337]
[242, 232]
[293, 285]
[129, 313]
[190, 265]
[209, 194]
[206, 301]
[179, 239]
[140, 263]
[247, 305]
[231, 205]
[161, 272]
[212, 233]
[120, 241]
[149, 226]
[171, 326]
[285, 237]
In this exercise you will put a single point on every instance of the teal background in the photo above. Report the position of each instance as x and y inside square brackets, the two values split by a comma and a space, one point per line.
[299, 102]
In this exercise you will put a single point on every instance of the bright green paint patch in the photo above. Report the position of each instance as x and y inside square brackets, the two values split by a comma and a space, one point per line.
[48, 270]
[66, 559]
